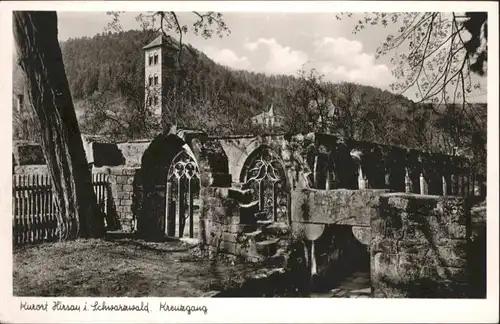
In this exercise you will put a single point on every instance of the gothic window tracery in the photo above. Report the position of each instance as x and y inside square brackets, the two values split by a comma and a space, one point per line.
[264, 174]
[183, 195]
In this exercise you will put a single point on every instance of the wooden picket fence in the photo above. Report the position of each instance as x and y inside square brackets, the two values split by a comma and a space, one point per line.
[34, 211]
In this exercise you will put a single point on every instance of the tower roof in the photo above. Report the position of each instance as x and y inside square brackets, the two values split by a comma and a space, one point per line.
[161, 41]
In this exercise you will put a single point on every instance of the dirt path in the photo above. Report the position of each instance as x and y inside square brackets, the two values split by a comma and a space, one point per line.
[121, 268]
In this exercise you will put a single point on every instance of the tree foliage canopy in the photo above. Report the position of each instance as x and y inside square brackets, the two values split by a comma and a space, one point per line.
[435, 53]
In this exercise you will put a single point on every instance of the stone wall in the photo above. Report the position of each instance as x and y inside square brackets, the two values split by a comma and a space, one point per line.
[232, 229]
[133, 151]
[121, 213]
[31, 169]
[221, 215]
[224, 224]
[238, 149]
[325, 162]
[337, 222]
[477, 251]
[339, 206]
[27, 153]
[419, 247]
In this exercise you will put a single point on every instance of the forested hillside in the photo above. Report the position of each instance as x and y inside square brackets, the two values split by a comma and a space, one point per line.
[106, 77]
[113, 62]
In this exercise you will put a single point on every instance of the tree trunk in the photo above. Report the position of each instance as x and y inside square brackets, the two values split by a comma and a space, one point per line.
[48, 91]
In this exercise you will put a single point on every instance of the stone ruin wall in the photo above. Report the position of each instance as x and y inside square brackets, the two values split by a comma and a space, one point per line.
[223, 218]
[417, 245]
[420, 247]
[119, 162]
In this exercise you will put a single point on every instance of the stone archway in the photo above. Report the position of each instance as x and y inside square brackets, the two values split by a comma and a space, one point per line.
[263, 172]
[152, 185]
[182, 213]
[187, 160]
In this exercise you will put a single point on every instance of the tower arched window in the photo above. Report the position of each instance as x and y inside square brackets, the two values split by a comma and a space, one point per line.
[155, 100]
[156, 59]
[150, 81]
[156, 79]
[150, 60]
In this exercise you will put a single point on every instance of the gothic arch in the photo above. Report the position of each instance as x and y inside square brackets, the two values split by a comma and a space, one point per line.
[182, 198]
[264, 173]
[201, 163]
[151, 185]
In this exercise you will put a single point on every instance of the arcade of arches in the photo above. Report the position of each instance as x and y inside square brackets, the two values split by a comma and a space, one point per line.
[386, 210]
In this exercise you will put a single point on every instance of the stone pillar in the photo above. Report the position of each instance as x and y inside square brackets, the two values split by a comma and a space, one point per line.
[180, 212]
[387, 179]
[419, 247]
[292, 177]
[315, 172]
[121, 180]
[408, 182]
[327, 183]
[445, 186]
[423, 185]
[362, 182]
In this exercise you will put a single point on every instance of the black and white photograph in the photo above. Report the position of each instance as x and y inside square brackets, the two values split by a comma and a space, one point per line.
[223, 153]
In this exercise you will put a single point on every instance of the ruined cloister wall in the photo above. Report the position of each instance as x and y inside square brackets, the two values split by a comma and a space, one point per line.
[238, 149]
[419, 247]
[122, 197]
[136, 174]
[316, 161]
[321, 161]
[323, 180]
[338, 206]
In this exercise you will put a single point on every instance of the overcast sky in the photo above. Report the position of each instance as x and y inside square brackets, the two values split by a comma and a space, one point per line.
[275, 43]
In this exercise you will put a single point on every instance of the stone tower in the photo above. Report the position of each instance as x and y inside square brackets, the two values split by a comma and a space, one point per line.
[160, 60]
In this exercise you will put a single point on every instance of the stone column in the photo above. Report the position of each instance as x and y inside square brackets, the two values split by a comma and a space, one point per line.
[362, 182]
[408, 182]
[423, 185]
[121, 180]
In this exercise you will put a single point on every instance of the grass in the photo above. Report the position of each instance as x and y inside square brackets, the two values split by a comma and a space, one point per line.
[121, 268]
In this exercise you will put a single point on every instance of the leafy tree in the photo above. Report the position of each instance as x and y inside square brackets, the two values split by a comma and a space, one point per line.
[350, 111]
[435, 52]
[438, 54]
[307, 104]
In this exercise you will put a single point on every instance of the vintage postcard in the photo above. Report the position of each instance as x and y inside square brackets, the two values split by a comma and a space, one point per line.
[192, 161]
